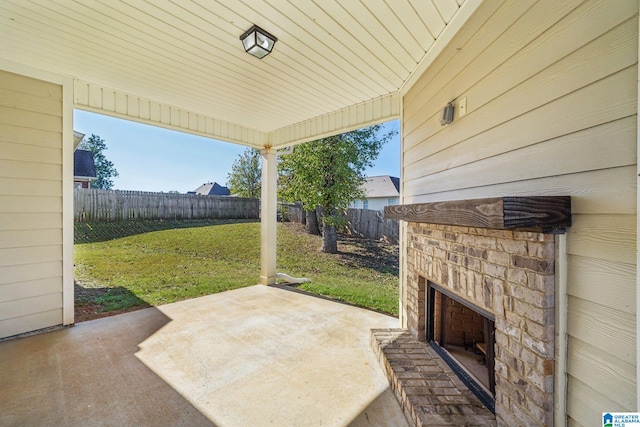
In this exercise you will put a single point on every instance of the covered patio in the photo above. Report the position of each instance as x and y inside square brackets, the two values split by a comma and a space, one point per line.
[496, 99]
[248, 357]
[254, 356]
[335, 67]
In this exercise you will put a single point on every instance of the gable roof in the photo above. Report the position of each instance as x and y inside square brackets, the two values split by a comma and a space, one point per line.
[212, 189]
[83, 164]
[381, 186]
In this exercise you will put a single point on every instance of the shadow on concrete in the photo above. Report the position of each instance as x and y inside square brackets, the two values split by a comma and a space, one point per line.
[89, 375]
[252, 356]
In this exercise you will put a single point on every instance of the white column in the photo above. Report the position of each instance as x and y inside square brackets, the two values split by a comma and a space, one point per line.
[68, 296]
[268, 202]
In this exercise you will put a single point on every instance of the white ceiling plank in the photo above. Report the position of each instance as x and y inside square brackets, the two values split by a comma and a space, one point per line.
[447, 9]
[396, 28]
[251, 75]
[318, 53]
[232, 60]
[286, 57]
[429, 15]
[250, 97]
[181, 64]
[412, 20]
[95, 52]
[349, 47]
[342, 27]
[375, 29]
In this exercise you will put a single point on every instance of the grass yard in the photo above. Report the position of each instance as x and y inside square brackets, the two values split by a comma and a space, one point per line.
[160, 267]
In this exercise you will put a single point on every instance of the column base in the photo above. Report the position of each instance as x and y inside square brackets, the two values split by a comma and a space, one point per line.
[268, 280]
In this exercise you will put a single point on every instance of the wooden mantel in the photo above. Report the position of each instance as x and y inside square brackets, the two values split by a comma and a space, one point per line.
[543, 213]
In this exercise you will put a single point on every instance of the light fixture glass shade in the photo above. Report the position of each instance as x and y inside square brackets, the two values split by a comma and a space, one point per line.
[258, 42]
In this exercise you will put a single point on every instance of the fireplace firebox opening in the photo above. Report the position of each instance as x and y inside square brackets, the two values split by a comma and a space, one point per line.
[464, 335]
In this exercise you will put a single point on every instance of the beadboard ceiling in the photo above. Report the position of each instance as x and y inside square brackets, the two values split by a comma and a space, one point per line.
[330, 54]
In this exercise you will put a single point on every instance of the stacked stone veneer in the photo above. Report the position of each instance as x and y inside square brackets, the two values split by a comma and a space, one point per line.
[510, 274]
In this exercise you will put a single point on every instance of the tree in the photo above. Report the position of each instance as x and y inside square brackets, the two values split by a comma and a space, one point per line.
[245, 178]
[105, 170]
[327, 174]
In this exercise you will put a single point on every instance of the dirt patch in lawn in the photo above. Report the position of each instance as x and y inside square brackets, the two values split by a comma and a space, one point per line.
[365, 253]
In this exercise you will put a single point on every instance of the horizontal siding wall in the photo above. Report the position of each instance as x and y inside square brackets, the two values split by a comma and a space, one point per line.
[551, 91]
[30, 204]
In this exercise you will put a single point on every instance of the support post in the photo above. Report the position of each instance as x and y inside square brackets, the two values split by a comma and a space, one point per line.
[268, 217]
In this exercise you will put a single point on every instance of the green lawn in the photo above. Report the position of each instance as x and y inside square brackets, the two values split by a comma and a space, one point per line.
[164, 266]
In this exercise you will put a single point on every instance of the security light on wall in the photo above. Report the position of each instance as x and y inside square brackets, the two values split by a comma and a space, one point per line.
[258, 42]
[447, 114]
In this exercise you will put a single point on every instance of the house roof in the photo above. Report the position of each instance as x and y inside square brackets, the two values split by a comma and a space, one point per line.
[83, 164]
[77, 138]
[211, 189]
[381, 186]
[336, 65]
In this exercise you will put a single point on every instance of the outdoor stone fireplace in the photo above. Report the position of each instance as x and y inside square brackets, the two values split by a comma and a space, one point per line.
[480, 279]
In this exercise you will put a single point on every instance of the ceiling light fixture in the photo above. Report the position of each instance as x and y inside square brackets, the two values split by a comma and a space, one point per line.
[258, 42]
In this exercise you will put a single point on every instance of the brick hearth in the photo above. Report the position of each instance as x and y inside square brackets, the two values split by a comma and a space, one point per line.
[430, 393]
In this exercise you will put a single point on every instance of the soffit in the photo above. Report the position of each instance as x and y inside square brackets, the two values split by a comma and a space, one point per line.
[330, 56]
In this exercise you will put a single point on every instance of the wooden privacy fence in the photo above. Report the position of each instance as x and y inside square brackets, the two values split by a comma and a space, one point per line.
[115, 205]
[372, 225]
[364, 223]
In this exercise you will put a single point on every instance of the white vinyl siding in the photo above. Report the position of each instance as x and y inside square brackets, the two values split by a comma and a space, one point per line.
[30, 204]
[551, 91]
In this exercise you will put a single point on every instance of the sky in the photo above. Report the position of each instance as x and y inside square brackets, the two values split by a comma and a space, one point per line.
[150, 158]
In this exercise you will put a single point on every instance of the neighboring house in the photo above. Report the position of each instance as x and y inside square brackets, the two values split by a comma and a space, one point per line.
[211, 189]
[545, 97]
[381, 191]
[84, 169]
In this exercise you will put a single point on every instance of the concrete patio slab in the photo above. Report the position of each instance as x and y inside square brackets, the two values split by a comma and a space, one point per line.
[255, 356]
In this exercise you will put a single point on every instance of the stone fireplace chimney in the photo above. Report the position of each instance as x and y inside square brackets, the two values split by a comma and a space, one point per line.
[497, 256]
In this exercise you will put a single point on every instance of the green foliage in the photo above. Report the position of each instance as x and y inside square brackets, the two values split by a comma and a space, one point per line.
[328, 172]
[105, 169]
[246, 175]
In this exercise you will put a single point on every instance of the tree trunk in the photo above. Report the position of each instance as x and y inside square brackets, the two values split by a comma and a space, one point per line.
[311, 226]
[329, 239]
